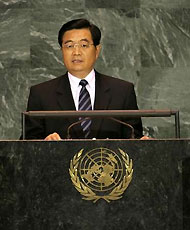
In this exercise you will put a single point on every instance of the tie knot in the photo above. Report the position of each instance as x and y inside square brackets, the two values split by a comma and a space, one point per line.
[83, 83]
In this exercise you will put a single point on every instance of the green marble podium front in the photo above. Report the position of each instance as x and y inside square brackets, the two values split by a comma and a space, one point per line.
[36, 191]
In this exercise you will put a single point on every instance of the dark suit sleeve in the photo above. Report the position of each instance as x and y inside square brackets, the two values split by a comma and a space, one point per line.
[34, 126]
[131, 104]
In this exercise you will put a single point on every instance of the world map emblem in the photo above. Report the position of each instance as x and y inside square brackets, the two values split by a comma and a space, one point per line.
[101, 173]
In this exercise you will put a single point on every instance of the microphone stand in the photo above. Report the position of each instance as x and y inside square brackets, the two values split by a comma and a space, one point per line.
[73, 124]
[111, 118]
[126, 124]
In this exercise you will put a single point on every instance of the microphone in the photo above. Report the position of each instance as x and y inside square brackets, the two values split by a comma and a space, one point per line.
[126, 124]
[73, 124]
[111, 118]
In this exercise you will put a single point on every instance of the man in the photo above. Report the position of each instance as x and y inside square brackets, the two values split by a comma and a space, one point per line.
[80, 44]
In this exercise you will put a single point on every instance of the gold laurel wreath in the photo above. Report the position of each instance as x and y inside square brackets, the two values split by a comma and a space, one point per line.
[87, 193]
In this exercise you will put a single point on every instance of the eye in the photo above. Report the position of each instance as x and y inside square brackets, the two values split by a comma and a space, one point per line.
[69, 46]
[84, 45]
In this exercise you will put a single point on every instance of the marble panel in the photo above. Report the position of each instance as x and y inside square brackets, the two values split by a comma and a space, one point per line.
[57, 4]
[120, 41]
[14, 38]
[121, 4]
[165, 37]
[165, 3]
[165, 88]
[13, 98]
[100, 4]
[10, 4]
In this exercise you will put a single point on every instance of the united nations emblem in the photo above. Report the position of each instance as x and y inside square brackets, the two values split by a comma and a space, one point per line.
[101, 173]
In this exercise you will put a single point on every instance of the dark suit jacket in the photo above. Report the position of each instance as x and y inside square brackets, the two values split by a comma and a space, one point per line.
[110, 94]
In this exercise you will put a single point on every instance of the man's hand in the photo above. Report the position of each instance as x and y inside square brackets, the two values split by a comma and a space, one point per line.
[56, 137]
[53, 137]
[146, 138]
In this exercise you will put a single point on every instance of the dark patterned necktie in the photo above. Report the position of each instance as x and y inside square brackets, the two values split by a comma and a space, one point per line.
[85, 104]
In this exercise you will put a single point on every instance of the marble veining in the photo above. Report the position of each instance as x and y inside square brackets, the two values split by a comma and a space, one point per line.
[145, 42]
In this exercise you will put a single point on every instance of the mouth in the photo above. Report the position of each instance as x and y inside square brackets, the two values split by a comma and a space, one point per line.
[77, 61]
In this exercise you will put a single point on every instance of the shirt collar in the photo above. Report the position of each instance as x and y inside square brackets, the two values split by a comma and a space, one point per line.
[90, 78]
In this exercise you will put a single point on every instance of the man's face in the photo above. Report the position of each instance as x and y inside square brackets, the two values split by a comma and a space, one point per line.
[79, 53]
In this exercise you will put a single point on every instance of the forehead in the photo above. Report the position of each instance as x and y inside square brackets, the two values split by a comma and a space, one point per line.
[77, 35]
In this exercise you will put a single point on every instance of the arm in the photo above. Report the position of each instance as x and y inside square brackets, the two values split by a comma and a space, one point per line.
[34, 126]
[131, 104]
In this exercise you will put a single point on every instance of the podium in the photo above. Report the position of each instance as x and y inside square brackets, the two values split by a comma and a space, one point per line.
[36, 190]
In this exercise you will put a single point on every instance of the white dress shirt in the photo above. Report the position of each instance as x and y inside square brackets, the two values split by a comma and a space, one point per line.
[75, 87]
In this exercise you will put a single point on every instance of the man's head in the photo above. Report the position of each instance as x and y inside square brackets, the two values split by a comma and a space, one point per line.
[80, 43]
[80, 24]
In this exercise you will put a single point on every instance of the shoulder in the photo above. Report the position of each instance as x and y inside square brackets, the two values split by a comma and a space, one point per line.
[50, 85]
[113, 82]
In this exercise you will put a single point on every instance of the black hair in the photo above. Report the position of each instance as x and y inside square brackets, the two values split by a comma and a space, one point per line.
[80, 24]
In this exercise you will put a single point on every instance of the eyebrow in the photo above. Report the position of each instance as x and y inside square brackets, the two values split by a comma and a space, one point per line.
[68, 41]
[84, 39]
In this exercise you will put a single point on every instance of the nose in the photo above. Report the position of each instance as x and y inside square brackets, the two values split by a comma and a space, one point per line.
[76, 49]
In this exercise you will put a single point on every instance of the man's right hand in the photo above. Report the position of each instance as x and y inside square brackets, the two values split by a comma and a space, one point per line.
[53, 137]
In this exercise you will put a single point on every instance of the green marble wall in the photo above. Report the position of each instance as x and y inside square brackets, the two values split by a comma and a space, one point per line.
[146, 42]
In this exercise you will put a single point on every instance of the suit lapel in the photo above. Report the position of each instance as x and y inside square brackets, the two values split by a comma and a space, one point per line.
[102, 101]
[64, 94]
[66, 102]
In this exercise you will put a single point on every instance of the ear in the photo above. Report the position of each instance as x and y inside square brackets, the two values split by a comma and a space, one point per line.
[98, 48]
